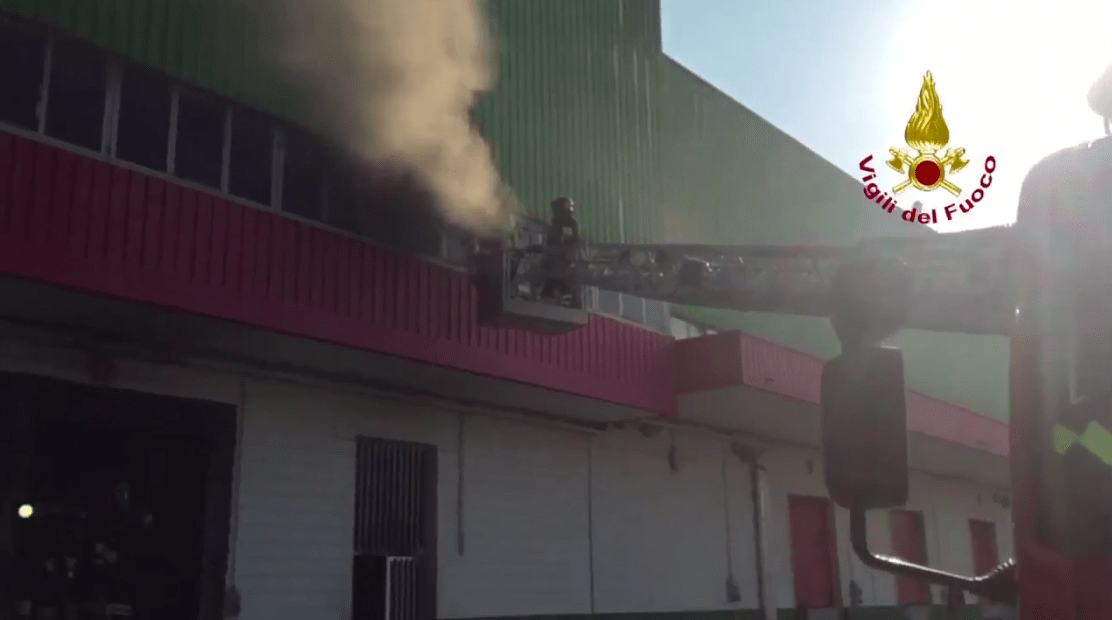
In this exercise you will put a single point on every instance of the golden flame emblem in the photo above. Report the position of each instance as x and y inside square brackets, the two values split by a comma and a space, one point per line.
[927, 134]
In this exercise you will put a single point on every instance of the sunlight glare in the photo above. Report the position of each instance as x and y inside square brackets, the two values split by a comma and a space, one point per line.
[1012, 77]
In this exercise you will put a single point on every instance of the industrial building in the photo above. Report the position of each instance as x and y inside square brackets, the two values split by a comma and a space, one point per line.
[313, 419]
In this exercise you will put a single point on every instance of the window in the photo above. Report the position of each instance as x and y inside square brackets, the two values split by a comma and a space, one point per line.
[346, 207]
[199, 149]
[303, 179]
[610, 303]
[633, 309]
[77, 87]
[590, 298]
[455, 249]
[252, 155]
[404, 215]
[656, 315]
[22, 60]
[143, 126]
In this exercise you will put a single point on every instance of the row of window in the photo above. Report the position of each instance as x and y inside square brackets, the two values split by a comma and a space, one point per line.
[74, 93]
[648, 312]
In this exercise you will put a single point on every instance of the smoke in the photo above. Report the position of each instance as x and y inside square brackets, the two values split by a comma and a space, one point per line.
[394, 81]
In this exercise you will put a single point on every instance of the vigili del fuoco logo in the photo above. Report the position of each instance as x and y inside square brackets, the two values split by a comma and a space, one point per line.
[926, 166]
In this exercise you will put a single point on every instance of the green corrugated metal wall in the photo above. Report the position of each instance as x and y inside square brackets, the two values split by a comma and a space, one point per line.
[210, 43]
[587, 106]
[751, 183]
[573, 113]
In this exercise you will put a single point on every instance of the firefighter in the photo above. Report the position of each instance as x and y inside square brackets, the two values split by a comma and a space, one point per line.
[561, 245]
[563, 228]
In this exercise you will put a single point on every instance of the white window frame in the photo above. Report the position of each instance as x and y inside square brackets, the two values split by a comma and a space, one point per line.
[623, 299]
[277, 166]
[226, 150]
[111, 103]
[172, 137]
[113, 93]
[325, 198]
[44, 85]
[110, 138]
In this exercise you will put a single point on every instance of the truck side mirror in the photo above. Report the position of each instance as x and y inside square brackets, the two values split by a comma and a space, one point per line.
[864, 428]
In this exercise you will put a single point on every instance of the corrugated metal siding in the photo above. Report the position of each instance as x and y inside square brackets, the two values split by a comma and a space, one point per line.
[588, 107]
[728, 176]
[573, 111]
[572, 114]
[970, 371]
[215, 44]
[76, 221]
[736, 359]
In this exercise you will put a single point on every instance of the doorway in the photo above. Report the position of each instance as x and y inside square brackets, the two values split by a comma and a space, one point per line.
[985, 556]
[813, 551]
[394, 565]
[116, 503]
[909, 542]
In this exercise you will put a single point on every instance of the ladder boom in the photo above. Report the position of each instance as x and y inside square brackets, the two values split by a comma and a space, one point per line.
[960, 282]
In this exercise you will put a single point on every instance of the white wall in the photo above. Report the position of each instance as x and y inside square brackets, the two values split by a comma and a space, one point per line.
[659, 536]
[661, 540]
[947, 506]
[525, 523]
[524, 513]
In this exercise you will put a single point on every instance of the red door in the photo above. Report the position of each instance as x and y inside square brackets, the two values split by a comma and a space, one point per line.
[809, 521]
[909, 541]
[983, 537]
[983, 534]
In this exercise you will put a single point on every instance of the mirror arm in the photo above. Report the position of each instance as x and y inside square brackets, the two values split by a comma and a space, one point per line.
[999, 584]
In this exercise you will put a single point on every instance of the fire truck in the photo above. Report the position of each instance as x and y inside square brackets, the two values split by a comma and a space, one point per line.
[1045, 282]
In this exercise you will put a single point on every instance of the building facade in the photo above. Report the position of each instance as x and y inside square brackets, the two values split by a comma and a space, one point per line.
[175, 245]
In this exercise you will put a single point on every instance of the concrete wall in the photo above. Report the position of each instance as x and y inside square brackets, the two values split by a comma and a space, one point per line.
[539, 503]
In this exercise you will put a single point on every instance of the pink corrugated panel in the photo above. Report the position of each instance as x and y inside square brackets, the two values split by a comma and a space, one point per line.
[79, 222]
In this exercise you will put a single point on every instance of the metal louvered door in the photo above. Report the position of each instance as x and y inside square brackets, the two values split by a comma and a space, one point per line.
[401, 589]
[394, 570]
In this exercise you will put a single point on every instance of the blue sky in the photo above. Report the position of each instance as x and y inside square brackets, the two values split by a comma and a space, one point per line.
[842, 77]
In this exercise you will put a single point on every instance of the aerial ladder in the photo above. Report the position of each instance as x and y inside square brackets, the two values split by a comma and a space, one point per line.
[1044, 282]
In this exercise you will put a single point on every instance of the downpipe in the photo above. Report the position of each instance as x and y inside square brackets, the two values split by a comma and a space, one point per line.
[758, 486]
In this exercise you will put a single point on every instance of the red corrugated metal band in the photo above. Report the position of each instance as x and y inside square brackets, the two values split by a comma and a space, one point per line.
[80, 222]
[733, 359]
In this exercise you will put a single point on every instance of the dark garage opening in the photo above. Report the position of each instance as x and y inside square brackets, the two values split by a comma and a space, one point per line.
[116, 503]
